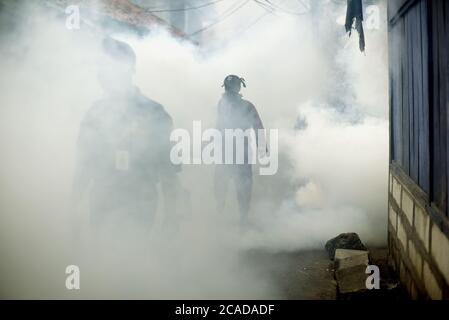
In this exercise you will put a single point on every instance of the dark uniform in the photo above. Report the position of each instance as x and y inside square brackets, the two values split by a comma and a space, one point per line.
[236, 113]
[124, 150]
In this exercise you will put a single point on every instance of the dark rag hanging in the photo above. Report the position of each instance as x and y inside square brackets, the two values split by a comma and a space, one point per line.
[355, 13]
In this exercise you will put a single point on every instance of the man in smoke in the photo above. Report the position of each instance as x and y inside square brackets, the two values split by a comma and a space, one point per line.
[235, 113]
[124, 147]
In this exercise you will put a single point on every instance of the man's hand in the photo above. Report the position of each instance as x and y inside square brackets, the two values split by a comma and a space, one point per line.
[263, 152]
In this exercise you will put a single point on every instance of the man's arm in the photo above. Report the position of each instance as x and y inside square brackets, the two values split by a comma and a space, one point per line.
[258, 125]
[82, 176]
[168, 172]
[257, 122]
[84, 160]
[220, 122]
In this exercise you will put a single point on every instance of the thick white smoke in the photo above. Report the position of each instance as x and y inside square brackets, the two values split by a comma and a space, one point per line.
[332, 178]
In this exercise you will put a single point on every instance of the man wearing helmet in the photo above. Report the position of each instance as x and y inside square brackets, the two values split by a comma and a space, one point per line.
[235, 113]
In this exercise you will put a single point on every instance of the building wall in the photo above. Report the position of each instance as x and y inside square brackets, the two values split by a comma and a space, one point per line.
[418, 212]
[419, 250]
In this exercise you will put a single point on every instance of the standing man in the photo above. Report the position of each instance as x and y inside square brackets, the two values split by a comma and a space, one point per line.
[124, 148]
[236, 113]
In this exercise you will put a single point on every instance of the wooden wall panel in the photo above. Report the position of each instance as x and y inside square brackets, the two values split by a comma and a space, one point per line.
[419, 80]
[396, 93]
[438, 83]
[410, 113]
[424, 133]
[446, 67]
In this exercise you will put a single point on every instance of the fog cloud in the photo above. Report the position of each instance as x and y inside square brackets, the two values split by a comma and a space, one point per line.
[332, 173]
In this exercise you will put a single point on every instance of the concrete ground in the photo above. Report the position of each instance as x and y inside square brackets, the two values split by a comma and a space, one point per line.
[299, 276]
[308, 275]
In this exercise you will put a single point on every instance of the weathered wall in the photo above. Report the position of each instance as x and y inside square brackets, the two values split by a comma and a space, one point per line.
[419, 250]
[418, 213]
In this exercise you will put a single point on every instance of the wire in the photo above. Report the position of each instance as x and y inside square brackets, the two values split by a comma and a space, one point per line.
[184, 9]
[275, 6]
[244, 3]
[265, 6]
[241, 31]
[306, 6]
[254, 22]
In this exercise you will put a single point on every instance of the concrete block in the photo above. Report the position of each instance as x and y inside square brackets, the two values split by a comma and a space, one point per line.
[402, 235]
[397, 191]
[350, 258]
[422, 226]
[351, 280]
[407, 206]
[415, 258]
[404, 276]
[414, 292]
[393, 218]
[440, 251]
[431, 284]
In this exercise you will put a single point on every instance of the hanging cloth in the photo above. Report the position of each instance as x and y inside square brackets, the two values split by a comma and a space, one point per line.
[354, 13]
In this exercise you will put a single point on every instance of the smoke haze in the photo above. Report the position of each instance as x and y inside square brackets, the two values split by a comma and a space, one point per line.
[333, 160]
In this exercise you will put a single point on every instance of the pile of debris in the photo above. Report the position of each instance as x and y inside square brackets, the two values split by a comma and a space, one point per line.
[353, 271]
[351, 260]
